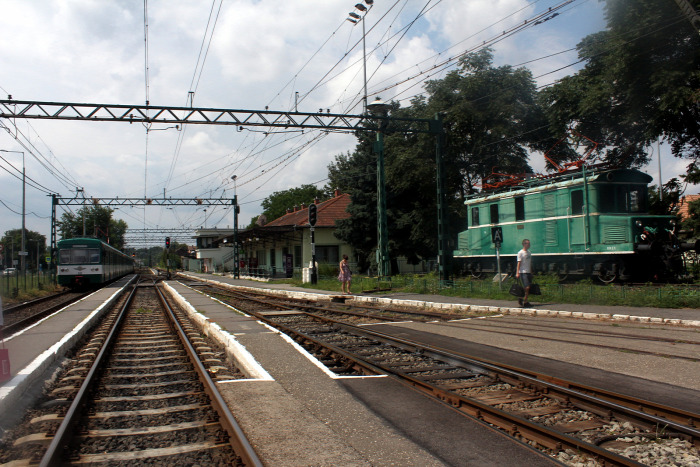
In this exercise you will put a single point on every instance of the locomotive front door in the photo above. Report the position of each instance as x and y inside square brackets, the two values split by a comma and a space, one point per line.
[577, 235]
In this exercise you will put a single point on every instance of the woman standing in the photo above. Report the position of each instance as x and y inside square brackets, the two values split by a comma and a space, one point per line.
[345, 275]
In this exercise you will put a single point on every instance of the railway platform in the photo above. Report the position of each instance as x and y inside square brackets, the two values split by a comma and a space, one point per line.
[298, 413]
[648, 352]
[35, 349]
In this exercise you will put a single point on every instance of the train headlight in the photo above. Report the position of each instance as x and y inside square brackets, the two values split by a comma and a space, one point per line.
[638, 223]
[672, 223]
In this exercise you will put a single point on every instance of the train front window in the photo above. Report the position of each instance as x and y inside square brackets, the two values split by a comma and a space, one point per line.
[79, 255]
[64, 256]
[637, 200]
[475, 216]
[94, 255]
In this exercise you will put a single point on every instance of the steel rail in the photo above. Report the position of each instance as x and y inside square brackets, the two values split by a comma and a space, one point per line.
[512, 424]
[36, 301]
[64, 433]
[678, 418]
[236, 294]
[237, 438]
[536, 379]
[12, 328]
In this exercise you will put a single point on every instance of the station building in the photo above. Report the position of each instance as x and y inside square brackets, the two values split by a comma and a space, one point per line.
[281, 247]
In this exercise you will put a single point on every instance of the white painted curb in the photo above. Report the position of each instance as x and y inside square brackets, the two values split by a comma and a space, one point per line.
[12, 391]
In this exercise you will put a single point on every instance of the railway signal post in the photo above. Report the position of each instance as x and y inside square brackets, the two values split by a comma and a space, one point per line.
[497, 239]
[313, 216]
[167, 257]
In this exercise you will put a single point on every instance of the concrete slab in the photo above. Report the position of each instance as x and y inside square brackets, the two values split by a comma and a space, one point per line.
[34, 349]
[308, 417]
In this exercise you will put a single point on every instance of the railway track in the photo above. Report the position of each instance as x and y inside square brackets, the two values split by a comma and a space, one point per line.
[357, 313]
[137, 391]
[25, 314]
[571, 422]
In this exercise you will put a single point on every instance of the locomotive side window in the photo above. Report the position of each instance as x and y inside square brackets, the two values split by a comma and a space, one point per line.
[494, 213]
[520, 208]
[577, 202]
[475, 216]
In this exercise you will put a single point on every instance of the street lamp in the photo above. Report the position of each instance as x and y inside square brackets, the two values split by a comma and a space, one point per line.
[379, 108]
[236, 210]
[22, 253]
[354, 18]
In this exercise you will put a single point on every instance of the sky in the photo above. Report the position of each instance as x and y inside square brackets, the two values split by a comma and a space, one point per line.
[238, 54]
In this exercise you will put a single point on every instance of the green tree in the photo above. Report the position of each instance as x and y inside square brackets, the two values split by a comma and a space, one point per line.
[98, 223]
[11, 245]
[668, 203]
[692, 223]
[277, 203]
[490, 117]
[640, 82]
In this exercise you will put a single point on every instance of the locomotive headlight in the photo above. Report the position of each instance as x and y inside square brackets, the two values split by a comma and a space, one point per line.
[672, 223]
[638, 223]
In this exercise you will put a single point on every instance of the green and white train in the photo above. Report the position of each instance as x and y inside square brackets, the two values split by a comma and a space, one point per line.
[584, 223]
[89, 261]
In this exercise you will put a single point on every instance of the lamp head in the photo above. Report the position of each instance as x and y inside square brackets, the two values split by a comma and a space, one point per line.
[378, 107]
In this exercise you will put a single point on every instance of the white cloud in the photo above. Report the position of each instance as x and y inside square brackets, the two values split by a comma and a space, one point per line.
[90, 51]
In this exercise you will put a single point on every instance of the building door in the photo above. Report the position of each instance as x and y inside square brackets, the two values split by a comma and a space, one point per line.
[273, 261]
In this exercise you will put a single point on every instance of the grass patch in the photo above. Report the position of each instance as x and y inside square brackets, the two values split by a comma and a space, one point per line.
[582, 292]
[21, 289]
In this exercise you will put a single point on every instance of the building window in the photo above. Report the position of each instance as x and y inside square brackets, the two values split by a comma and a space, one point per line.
[262, 257]
[297, 256]
[520, 208]
[475, 216]
[577, 202]
[494, 213]
[327, 254]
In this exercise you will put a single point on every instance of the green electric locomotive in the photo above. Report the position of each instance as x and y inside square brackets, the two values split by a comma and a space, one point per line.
[583, 223]
[89, 261]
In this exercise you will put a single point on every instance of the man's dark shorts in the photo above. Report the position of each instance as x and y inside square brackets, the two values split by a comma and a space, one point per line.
[526, 277]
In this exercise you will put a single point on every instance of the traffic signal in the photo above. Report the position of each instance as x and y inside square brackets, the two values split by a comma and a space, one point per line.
[167, 242]
[313, 214]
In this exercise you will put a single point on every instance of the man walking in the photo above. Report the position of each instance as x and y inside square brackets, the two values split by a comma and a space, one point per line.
[524, 271]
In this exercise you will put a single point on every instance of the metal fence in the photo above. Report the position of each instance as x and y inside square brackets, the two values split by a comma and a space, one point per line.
[11, 285]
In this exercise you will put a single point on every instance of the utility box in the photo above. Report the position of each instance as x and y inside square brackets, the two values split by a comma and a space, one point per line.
[4, 365]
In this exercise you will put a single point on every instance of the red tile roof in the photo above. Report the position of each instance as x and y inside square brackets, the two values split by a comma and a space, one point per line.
[328, 212]
[683, 208]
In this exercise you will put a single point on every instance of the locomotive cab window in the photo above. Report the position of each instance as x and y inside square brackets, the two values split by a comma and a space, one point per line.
[494, 213]
[475, 216]
[520, 208]
[577, 202]
[622, 198]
